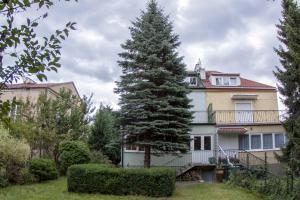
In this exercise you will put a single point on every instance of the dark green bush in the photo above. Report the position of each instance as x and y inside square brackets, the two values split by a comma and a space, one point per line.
[72, 152]
[93, 178]
[43, 169]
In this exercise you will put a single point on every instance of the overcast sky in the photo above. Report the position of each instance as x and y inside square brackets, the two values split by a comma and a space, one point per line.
[228, 35]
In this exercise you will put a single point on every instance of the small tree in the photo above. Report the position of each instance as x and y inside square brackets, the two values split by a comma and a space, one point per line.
[105, 136]
[289, 80]
[154, 104]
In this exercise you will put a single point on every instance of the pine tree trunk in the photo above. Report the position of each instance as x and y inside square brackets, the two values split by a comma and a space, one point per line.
[147, 157]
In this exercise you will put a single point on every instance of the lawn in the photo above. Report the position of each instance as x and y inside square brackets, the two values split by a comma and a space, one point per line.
[56, 190]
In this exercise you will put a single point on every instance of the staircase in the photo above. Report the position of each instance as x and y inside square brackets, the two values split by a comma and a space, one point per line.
[242, 159]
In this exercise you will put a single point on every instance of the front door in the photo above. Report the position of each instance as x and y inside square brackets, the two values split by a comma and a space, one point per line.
[243, 113]
[202, 148]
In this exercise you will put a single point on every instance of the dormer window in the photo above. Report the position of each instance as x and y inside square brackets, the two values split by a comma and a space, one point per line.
[218, 81]
[225, 80]
[233, 81]
[193, 81]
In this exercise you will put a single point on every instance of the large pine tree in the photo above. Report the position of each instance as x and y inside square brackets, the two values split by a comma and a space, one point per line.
[289, 79]
[154, 105]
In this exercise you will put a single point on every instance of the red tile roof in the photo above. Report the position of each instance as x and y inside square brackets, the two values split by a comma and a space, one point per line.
[245, 83]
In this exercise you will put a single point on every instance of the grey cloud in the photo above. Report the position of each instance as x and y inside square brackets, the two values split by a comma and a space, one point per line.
[90, 54]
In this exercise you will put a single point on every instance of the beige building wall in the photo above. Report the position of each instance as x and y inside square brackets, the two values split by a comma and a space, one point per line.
[23, 94]
[222, 99]
[69, 86]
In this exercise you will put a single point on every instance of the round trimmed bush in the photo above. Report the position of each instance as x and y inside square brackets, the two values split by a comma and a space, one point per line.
[43, 169]
[72, 152]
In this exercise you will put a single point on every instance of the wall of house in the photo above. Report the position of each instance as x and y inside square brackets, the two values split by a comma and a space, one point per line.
[23, 94]
[228, 141]
[198, 100]
[221, 99]
[136, 159]
[265, 129]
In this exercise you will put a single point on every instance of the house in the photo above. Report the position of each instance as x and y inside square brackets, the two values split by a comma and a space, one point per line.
[31, 90]
[235, 119]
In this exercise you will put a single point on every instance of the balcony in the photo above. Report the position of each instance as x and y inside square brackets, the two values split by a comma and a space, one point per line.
[249, 116]
[239, 117]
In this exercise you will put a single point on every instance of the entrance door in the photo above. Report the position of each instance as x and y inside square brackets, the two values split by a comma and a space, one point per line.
[243, 113]
[202, 148]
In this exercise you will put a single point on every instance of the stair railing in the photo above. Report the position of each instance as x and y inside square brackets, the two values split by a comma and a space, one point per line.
[226, 156]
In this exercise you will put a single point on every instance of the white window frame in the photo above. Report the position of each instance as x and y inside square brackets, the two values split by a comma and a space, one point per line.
[137, 149]
[251, 109]
[192, 77]
[202, 142]
[261, 141]
[222, 82]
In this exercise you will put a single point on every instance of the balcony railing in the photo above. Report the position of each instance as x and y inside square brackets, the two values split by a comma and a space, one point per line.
[248, 116]
[239, 116]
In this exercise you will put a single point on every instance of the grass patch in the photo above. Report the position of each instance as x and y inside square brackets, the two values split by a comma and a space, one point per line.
[57, 190]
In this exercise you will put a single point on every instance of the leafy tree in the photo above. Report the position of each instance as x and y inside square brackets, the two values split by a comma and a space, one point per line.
[154, 104]
[105, 136]
[47, 122]
[22, 51]
[289, 79]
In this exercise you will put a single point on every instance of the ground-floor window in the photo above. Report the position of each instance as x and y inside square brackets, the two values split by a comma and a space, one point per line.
[133, 147]
[262, 141]
[202, 143]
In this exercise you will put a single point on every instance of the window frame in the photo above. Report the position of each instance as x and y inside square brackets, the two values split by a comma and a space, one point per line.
[190, 78]
[202, 145]
[261, 143]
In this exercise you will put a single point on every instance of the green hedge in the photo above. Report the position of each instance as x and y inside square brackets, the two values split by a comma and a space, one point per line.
[94, 178]
[43, 169]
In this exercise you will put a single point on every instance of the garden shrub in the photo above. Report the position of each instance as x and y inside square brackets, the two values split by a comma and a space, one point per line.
[99, 157]
[3, 179]
[94, 178]
[43, 169]
[27, 177]
[12, 149]
[72, 152]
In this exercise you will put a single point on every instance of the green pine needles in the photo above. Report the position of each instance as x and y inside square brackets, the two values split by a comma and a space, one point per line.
[154, 105]
[289, 79]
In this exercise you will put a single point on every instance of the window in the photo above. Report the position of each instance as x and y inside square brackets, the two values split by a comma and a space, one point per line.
[218, 81]
[202, 142]
[193, 81]
[255, 142]
[197, 143]
[279, 140]
[131, 147]
[225, 81]
[262, 141]
[233, 81]
[141, 148]
[244, 142]
[268, 141]
[207, 142]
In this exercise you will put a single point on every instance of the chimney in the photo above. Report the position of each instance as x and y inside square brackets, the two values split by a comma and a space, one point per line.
[200, 70]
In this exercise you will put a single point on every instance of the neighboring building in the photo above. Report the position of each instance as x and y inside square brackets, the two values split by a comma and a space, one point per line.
[31, 90]
[235, 119]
